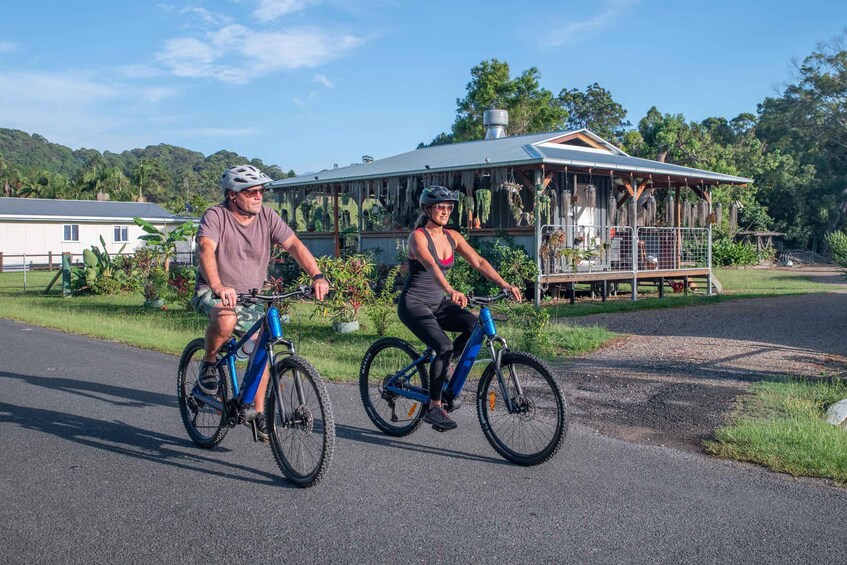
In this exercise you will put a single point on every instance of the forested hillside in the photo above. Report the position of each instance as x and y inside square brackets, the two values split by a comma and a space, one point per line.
[32, 166]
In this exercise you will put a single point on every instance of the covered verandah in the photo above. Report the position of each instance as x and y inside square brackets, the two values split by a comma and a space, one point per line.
[583, 209]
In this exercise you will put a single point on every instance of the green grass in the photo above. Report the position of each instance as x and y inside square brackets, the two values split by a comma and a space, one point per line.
[122, 318]
[737, 284]
[767, 282]
[782, 425]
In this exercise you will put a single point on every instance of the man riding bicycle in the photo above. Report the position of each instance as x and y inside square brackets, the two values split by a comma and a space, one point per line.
[234, 246]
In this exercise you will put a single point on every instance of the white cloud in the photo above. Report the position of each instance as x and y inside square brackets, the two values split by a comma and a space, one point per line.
[270, 10]
[205, 16]
[580, 29]
[322, 79]
[236, 55]
[8, 46]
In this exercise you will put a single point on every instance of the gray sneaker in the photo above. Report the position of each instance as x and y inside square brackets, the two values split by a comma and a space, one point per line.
[439, 419]
[208, 381]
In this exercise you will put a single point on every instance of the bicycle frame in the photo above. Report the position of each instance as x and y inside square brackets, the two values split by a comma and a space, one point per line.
[483, 332]
[245, 392]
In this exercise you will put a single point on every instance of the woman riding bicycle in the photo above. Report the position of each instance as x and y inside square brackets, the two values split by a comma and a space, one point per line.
[423, 306]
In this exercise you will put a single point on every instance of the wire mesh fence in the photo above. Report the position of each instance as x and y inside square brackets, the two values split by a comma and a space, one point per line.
[578, 249]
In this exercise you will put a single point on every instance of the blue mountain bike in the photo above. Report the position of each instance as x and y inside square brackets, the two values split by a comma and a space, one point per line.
[520, 405]
[298, 413]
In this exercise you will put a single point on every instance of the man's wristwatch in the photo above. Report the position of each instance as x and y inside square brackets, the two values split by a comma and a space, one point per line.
[318, 277]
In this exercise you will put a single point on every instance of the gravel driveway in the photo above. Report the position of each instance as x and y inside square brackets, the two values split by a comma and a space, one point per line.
[674, 375]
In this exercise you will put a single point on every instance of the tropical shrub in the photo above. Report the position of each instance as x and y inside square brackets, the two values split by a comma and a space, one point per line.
[533, 322]
[512, 262]
[726, 252]
[382, 309]
[181, 286]
[837, 240]
[99, 273]
[284, 269]
[349, 279]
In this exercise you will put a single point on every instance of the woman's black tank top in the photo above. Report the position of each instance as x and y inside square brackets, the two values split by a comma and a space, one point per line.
[421, 286]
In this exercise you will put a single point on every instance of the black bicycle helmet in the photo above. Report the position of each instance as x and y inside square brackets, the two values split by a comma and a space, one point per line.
[435, 194]
[239, 178]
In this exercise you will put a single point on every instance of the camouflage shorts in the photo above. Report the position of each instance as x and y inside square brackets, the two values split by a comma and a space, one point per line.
[204, 299]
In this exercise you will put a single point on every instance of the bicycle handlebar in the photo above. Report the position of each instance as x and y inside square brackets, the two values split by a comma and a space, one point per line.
[254, 296]
[485, 300]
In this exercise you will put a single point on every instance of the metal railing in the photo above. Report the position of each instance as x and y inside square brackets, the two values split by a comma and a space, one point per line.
[577, 249]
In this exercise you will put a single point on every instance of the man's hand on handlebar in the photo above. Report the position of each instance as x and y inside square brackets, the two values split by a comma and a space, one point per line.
[227, 295]
[320, 287]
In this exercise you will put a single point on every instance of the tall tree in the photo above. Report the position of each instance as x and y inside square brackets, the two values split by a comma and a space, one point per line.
[596, 110]
[809, 122]
[531, 108]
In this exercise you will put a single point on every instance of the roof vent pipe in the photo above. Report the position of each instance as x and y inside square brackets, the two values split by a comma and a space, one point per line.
[495, 122]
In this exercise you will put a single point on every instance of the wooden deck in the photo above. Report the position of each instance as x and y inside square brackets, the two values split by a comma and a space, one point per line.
[624, 276]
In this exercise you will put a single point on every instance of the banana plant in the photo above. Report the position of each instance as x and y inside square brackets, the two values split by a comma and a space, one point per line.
[165, 241]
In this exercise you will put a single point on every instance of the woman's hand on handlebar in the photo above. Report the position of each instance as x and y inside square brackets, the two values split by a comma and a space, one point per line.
[514, 293]
[457, 297]
[320, 287]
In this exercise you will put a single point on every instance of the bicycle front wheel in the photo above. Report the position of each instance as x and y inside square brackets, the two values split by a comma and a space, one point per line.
[393, 414]
[535, 428]
[205, 424]
[300, 422]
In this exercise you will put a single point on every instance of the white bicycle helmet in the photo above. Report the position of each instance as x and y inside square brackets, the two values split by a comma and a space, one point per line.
[242, 177]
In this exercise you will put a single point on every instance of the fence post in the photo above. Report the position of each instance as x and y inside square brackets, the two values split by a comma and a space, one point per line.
[66, 275]
[1, 261]
[49, 260]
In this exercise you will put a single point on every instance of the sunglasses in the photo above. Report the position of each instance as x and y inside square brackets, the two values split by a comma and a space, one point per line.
[253, 192]
[444, 207]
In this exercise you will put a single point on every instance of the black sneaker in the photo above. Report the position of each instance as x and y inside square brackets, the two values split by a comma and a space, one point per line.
[261, 427]
[439, 419]
[208, 381]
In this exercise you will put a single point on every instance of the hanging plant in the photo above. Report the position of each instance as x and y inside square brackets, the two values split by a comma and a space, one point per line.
[483, 205]
[345, 199]
[591, 196]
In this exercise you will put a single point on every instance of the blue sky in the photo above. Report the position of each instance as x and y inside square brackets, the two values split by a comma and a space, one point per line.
[306, 84]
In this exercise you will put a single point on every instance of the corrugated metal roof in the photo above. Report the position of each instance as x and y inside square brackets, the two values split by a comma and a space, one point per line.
[565, 155]
[45, 207]
[502, 152]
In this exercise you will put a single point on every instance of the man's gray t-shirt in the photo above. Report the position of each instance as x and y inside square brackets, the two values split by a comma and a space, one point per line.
[243, 252]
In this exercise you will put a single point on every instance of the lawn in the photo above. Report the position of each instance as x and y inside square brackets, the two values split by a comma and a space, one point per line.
[783, 425]
[122, 318]
[737, 283]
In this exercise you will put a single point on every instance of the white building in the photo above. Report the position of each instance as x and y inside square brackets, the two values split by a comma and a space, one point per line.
[37, 231]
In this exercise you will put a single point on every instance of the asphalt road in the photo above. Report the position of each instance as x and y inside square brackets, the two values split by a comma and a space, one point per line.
[95, 467]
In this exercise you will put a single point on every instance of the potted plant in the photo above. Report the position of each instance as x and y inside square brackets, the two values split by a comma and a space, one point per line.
[154, 288]
[350, 289]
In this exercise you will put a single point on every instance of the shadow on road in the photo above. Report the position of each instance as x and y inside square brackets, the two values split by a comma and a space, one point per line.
[373, 437]
[131, 441]
[131, 397]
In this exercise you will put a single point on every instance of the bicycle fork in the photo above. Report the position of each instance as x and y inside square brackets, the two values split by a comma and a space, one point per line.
[496, 356]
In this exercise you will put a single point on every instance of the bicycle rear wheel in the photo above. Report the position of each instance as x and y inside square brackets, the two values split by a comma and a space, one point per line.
[392, 414]
[205, 424]
[535, 430]
[300, 422]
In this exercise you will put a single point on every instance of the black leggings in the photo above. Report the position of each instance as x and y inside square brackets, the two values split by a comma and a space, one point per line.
[429, 325]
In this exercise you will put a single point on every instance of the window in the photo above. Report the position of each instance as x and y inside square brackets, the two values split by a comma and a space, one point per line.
[71, 232]
[121, 234]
